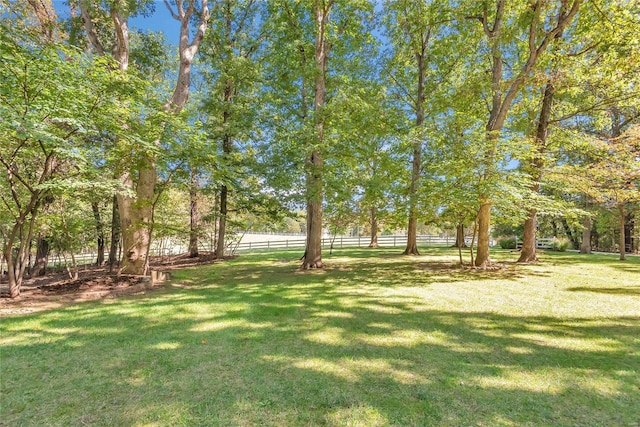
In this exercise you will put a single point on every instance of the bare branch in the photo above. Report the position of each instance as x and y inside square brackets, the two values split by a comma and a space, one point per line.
[173, 14]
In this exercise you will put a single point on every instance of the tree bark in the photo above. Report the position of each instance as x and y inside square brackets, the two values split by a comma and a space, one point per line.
[460, 243]
[42, 256]
[222, 222]
[484, 225]
[99, 233]
[115, 236]
[585, 247]
[193, 209]
[374, 228]
[623, 246]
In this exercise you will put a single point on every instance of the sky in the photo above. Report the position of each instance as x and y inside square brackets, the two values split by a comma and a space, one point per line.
[161, 20]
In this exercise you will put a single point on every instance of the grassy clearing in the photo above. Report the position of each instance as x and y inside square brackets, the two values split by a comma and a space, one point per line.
[376, 339]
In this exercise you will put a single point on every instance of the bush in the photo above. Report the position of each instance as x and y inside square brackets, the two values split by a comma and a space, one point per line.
[559, 245]
[507, 243]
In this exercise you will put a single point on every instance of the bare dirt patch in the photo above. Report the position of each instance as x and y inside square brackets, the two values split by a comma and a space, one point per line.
[56, 289]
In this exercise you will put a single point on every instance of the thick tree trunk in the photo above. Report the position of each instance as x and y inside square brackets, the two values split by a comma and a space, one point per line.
[484, 225]
[585, 246]
[99, 233]
[193, 209]
[136, 219]
[222, 222]
[528, 253]
[622, 243]
[313, 249]
[460, 243]
[42, 256]
[115, 236]
[374, 228]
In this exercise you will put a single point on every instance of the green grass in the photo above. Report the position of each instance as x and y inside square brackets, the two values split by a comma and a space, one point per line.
[375, 339]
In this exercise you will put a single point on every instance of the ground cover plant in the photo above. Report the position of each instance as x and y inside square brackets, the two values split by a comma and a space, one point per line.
[374, 339]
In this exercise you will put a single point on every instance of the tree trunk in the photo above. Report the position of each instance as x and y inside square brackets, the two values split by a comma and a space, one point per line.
[42, 256]
[314, 164]
[528, 253]
[136, 219]
[227, 146]
[460, 243]
[313, 249]
[585, 247]
[484, 225]
[99, 233]
[622, 243]
[412, 228]
[115, 236]
[374, 228]
[193, 208]
[222, 222]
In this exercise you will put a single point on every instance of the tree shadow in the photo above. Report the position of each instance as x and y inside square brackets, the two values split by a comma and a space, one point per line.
[626, 290]
[242, 346]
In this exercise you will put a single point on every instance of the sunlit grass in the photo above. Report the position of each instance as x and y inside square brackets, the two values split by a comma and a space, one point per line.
[375, 339]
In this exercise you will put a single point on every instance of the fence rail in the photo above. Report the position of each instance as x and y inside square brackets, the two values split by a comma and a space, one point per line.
[297, 241]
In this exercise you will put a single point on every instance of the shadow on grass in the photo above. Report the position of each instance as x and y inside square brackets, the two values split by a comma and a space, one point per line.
[243, 345]
[627, 290]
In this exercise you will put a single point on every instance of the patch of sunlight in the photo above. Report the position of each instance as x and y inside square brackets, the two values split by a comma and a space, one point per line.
[226, 324]
[357, 416]
[520, 381]
[328, 336]
[382, 366]
[404, 338]
[337, 314]
[518, 350]
[388, 326]
[29, 338]
[551, 381]
[571, 343]
[351, 369]
[382, 309]
[166, 346]
[326, 367]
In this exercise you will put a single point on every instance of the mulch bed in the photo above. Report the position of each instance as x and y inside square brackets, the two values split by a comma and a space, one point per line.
[57, 290]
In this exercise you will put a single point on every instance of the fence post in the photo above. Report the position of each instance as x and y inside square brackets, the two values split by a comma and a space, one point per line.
[359, 240]
[286, 243]
[394, 240]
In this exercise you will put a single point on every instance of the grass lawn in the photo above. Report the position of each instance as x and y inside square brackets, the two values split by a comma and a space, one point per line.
[375, 339]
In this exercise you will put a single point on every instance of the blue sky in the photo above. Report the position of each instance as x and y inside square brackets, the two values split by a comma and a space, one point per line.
[161, 20]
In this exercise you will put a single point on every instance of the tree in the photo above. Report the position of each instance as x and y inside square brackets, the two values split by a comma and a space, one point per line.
[539, 25]
[231, 73]
[136, 205]
[52, 97]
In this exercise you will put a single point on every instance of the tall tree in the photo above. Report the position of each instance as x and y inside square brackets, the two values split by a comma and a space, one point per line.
[538, 22]
[136, 205]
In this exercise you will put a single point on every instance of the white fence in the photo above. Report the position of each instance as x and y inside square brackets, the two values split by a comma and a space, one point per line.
[346, 241]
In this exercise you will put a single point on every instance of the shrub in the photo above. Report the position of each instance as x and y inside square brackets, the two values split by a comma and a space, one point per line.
[559, 245]
[507, 243]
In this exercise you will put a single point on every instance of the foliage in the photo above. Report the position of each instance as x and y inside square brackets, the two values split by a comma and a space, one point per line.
[507, 243]
[560, 245]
